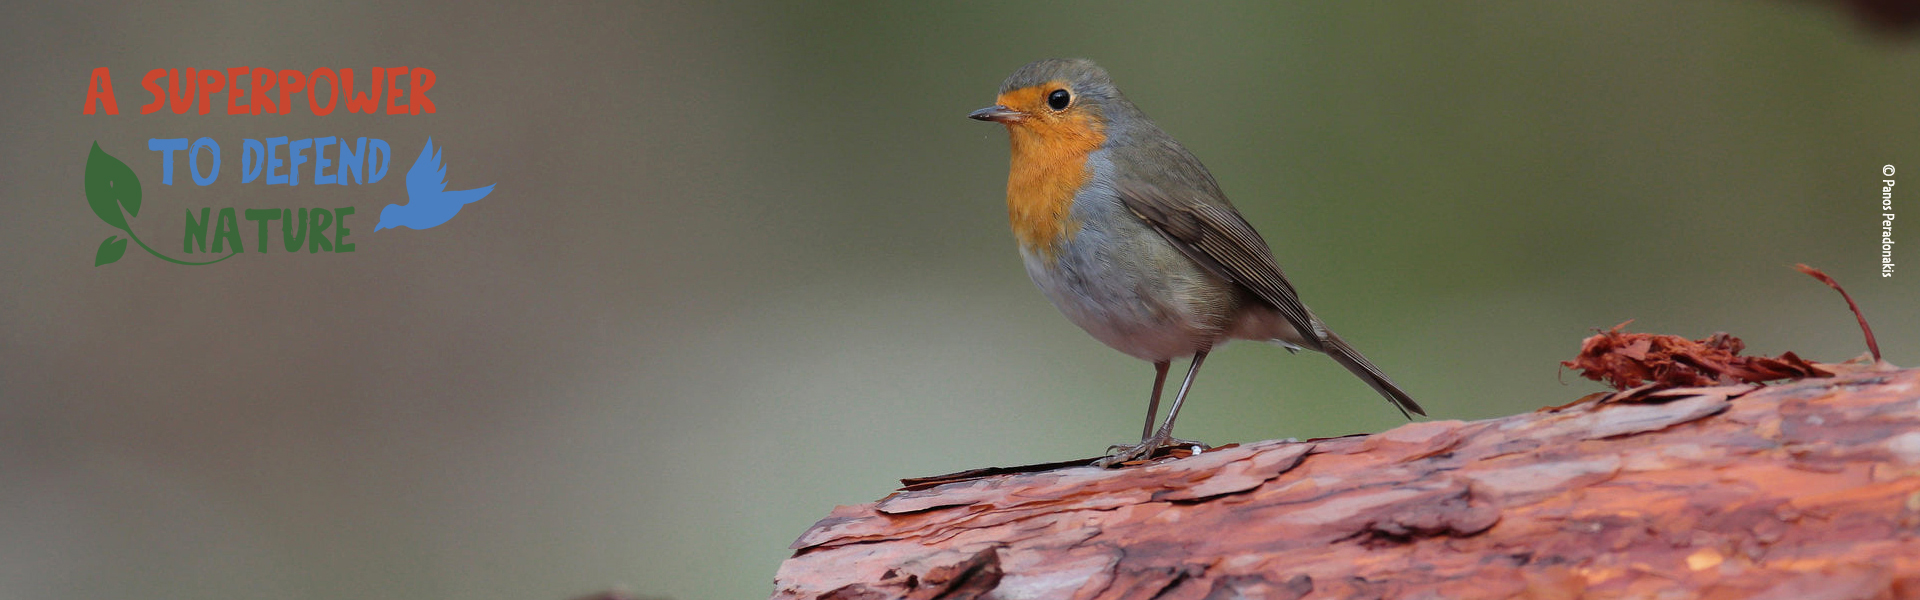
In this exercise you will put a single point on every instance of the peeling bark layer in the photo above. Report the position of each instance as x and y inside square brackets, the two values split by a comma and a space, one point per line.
[1804, 490]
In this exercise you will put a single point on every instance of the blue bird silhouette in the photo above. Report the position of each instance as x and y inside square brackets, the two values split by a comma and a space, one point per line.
[428, 201]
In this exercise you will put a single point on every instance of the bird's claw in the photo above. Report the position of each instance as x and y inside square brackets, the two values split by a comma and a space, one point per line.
[1120, 454]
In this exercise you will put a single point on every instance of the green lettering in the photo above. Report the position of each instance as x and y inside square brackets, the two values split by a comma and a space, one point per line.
[227, 228]
[294, 237]
[340, 231]
[322, 218]
[196, 230]
[262, 215]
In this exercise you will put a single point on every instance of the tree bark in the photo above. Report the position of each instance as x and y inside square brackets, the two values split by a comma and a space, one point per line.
[1809, 489]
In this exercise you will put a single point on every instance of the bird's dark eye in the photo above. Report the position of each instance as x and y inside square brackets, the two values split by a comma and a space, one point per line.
[1059, 99]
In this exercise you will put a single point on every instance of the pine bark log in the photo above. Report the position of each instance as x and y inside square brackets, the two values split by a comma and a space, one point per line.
[1809, 489]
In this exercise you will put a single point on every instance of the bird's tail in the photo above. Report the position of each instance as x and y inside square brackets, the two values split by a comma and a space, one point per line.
[1353, 361]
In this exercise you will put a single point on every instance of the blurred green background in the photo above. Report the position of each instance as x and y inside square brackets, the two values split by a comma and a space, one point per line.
[747, 261]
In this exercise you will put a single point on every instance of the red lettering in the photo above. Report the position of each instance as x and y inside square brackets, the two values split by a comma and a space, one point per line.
[180, 88]
[422, 81]
[211, 80]
[159, 96]
[291, 82]
[333, 85]
[103, 82]
[393, 91]
[362, 103]
[180, 103]
[235, 106]
[264, 79]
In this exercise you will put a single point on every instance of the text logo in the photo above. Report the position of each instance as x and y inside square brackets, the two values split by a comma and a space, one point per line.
[114, 191]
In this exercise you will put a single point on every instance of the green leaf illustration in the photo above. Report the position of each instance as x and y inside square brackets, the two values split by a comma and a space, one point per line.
[111, 249]
[111, 185]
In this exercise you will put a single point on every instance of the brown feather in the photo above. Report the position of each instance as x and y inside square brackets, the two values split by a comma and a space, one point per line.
[1218, 239]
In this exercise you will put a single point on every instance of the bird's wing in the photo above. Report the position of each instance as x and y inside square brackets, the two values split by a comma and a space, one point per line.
[428, 175]
[1216, 237]
[1222, 242]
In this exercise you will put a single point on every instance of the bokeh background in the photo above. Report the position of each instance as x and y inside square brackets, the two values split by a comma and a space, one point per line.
[748, 261]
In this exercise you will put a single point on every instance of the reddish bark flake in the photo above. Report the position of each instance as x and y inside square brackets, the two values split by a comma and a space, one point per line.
[1630, 360]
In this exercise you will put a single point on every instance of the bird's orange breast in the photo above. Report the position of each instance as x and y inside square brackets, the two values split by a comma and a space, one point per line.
[1049, 167]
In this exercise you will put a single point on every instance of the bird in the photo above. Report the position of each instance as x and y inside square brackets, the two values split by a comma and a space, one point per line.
[428, 201]
[1128, 235]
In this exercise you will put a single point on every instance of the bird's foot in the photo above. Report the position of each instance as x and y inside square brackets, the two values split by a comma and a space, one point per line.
[1171, 443]
[1120, 454]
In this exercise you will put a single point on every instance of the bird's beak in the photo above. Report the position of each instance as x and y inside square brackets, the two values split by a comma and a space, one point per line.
[996, 113]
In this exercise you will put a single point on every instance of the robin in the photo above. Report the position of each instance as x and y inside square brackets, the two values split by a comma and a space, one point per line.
[1129, 236]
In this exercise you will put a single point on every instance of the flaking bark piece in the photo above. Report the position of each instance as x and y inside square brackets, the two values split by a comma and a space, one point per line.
[1656, 361]
[1161, 454]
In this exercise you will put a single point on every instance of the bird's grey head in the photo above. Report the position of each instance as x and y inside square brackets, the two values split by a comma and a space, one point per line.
[1057, 86]
[1081, 74]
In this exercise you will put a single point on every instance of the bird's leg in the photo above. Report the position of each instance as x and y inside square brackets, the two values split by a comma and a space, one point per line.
[1165, 434]
[1153, 410]
[1153, 406]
